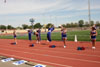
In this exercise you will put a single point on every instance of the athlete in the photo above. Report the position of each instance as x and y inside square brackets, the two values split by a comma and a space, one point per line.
[50, 29]
[15, 35]
[29, 35]
[39, 31]
[64, 35]
[38, 35]
[93, 35]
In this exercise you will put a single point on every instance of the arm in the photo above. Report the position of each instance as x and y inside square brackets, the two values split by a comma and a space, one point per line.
[90, 34]
[96, 33]
[65, 31]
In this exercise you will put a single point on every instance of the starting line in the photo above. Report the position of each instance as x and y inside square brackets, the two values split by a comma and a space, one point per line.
[20, 62]
[8, 59]
[39, 65]
[15, 63]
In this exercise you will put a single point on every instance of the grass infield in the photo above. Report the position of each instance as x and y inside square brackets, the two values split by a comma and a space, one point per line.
[81, 36]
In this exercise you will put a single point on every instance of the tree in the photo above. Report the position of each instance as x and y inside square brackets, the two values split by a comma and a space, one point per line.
[92, 23]
[30, 27]
[86, 24]
[2, 27]
[72, 24]
[49, 25]
[10, 27]
[97, 23]
[24, 26]
[63, 25]
[68, 25]
[75, 24]
[18, 27]
[81, 23]
[37, 25]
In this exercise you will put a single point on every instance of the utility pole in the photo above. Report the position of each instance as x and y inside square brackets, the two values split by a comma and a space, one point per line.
[4, 1]
[89, 13]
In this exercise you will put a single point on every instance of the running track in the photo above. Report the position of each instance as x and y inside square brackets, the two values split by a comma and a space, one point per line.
[57, 57]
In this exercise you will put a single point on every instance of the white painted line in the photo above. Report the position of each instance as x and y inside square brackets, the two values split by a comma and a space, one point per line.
[91, 61]
[19, 62]
[37, 60]
[39, 65]
[8, 59]
[57, 51]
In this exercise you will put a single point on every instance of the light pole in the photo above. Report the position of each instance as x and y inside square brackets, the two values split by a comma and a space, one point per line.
[32, 22]
[56, 21]
[4, 1]
[89, 13]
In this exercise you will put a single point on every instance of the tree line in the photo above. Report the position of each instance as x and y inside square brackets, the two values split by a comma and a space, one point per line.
[80, 23]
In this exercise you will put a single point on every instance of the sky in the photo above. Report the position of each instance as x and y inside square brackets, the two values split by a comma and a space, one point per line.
[18, 12]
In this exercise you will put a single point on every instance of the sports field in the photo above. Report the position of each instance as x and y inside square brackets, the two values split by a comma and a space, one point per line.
[81, 36]
[49, 33]
[54, 57]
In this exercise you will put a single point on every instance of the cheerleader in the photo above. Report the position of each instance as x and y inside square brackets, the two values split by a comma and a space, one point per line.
[64, 35]
[93, 35]
[49, 34]
[15, 35]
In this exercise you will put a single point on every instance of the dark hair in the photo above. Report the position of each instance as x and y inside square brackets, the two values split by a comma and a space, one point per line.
[93, 28]
[28, 30]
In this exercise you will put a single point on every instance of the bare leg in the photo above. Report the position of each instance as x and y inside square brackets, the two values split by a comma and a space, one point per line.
[30, 41]
[15, 40]
[93, 44]
[38, 39]
[64, 41]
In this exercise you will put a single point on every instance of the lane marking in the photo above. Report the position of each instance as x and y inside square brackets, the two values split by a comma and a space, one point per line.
[56, 51]
[8, 59]
[19, 62]
[37, 60]
[53, 56]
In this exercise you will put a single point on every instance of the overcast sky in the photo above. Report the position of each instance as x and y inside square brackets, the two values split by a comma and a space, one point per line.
[18, 12]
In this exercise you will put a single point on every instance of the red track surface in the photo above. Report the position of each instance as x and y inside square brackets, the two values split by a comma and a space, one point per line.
[57, 57]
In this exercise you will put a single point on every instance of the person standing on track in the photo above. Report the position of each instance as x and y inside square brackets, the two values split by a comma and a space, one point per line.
[64, 35]
[15, 35]
[50, 29]
[29, 35]
[93, 35]
[37, 33]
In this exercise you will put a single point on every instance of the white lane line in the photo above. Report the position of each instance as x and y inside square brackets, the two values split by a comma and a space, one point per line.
[57, 52]
[91, 61]
[73, 49]
[36, 60]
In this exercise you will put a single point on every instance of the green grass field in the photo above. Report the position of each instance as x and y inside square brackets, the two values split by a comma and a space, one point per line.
[81, 36]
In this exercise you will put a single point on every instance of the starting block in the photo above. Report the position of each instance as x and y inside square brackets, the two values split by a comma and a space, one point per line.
[39, 65]
[19, 62]
[80, 48]
[32, 45]
[8, 59]
[52, 46]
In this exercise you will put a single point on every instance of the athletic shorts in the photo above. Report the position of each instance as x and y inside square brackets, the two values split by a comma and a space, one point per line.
[93, 37]
[15, 36]
[64, 36]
